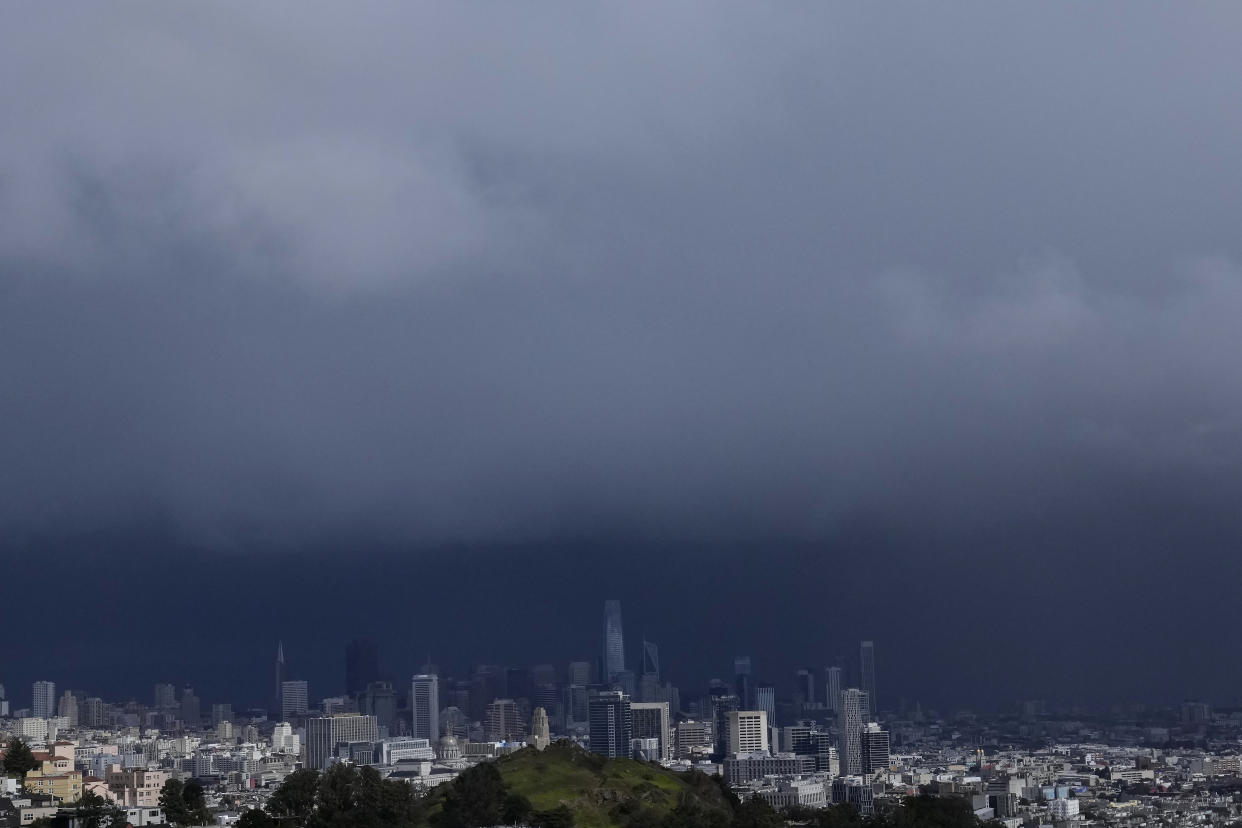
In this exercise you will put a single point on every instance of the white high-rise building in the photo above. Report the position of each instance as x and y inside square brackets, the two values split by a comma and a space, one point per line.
[32, 730]
[425, 708]
[852, 716]
[284, 740]
[325, 734]
[43, 700]
[748, 732]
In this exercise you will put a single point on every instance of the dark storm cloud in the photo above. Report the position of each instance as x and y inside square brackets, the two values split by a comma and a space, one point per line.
[449, 274]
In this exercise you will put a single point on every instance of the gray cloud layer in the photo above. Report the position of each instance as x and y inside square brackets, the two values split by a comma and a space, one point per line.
[466, 273]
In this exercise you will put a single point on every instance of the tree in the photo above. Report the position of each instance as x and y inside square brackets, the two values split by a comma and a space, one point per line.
[757, 812]
[94, 811]
[295, 798]
[172, 802]
[476, 798]
[19, 759]
[558, 817]
[517, 809]
[925, 811]
[196, 804]
[255, 818]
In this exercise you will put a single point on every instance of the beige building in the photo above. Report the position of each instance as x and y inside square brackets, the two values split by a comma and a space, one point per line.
[56, 777]
[136, 787]
[748, 732]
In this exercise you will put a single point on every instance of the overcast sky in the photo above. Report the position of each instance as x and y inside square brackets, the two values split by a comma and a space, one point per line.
[938, 304]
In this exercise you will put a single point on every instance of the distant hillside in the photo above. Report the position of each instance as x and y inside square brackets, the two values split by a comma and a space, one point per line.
[596, 792]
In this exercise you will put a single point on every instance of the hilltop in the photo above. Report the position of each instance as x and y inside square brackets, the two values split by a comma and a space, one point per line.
[566, 782]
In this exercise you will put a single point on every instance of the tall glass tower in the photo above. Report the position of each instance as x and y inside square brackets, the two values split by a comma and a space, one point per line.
[866, 668]
[614, 640]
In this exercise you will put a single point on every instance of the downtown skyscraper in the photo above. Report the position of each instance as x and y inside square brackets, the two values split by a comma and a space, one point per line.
[361, 665]
[832, 688]
[43, 699]
[611, 723]
[425, 707]
[614, 641]
[852, 718]
[866, 673]
[281, 677]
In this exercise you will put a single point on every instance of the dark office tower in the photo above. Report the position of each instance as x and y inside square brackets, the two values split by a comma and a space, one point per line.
[866, 670]
[722, 704]
[279, 693]
[853, 713]
[804, 688]
[191, 710]
[361, 665]
[380, 700]
[651, 659]
[742, 686]
[614, 641]
[486, 685]
[517, 683]
[612, 724]
[832, 688]
[580, 673]
[503, 720]
[874, 746]
[165, 697]
[542, 674]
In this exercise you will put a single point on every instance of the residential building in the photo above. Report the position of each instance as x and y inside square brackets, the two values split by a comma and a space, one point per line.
[57, 778]
[43, 699]
[851, 718]
[135, 787]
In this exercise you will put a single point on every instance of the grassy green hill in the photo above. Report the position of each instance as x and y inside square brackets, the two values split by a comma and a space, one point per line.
[602, 793]
[608, 793]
